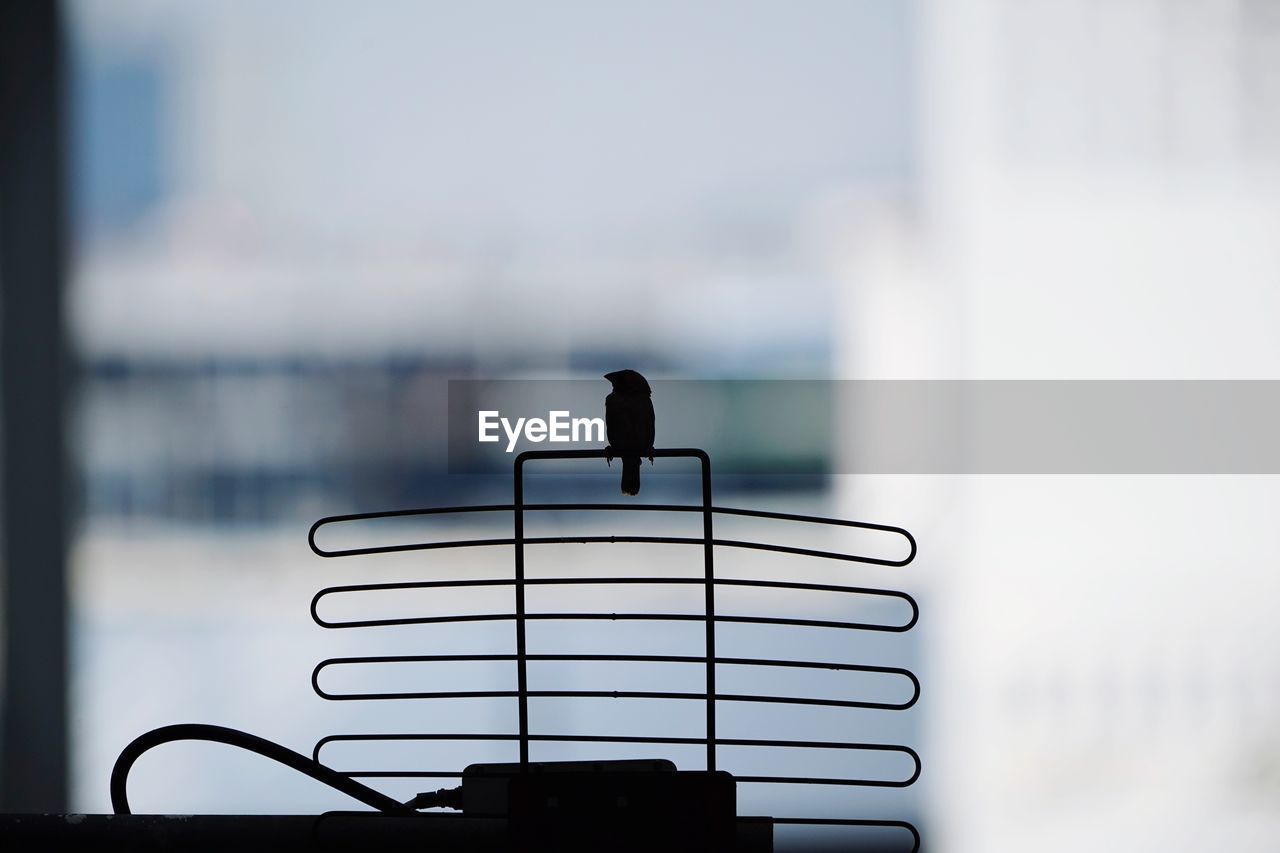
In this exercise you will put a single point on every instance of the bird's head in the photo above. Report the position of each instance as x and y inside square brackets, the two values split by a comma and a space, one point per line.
[628, 382]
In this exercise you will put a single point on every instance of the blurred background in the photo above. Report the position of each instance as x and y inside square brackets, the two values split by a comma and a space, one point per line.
[292, 223]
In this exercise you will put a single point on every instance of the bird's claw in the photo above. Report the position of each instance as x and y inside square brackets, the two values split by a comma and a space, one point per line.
[608, 456]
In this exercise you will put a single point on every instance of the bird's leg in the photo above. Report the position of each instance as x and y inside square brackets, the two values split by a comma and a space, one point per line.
[650, 455]
[608, 455]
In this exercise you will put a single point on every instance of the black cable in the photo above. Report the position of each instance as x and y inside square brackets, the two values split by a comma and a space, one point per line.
[444, 798]
[253, 743]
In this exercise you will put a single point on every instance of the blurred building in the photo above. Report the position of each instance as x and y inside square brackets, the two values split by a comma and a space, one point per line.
[295, 223]
[1097, 191]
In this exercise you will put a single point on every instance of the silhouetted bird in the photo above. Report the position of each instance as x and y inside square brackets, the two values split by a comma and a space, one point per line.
[628, 417]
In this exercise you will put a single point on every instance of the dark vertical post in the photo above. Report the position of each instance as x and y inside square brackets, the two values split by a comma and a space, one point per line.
[522, 675]
[709, 573]
[33, 734]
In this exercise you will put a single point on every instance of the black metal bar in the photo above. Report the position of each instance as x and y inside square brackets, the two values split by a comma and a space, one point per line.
[619, 617]
[589, 507]
[621, 694]
[638, 739]
[563, 738]
[522, 674]
[731, 697]
[709, 617]
[814, 664]
[605, 507]
[612, 540]
[518, 512]
[586, 540]
[708, 556]
[750, 780]
[591, 581]
[660, 581]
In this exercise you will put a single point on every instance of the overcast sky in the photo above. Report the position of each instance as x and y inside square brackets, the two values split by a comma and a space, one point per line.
[554, 120]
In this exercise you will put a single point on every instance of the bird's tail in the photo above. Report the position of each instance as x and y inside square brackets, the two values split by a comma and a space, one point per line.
[630, 475]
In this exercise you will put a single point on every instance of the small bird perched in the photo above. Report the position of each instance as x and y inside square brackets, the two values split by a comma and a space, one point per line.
[628, 418]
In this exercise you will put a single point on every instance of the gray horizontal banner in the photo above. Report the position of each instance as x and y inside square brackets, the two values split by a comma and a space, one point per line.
[807, 427]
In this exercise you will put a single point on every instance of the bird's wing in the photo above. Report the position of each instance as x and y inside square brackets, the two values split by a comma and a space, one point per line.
[624, 420]
[613, 420]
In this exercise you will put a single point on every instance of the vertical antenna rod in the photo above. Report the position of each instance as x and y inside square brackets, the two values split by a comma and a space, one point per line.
[522, 673]
[709, 573]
